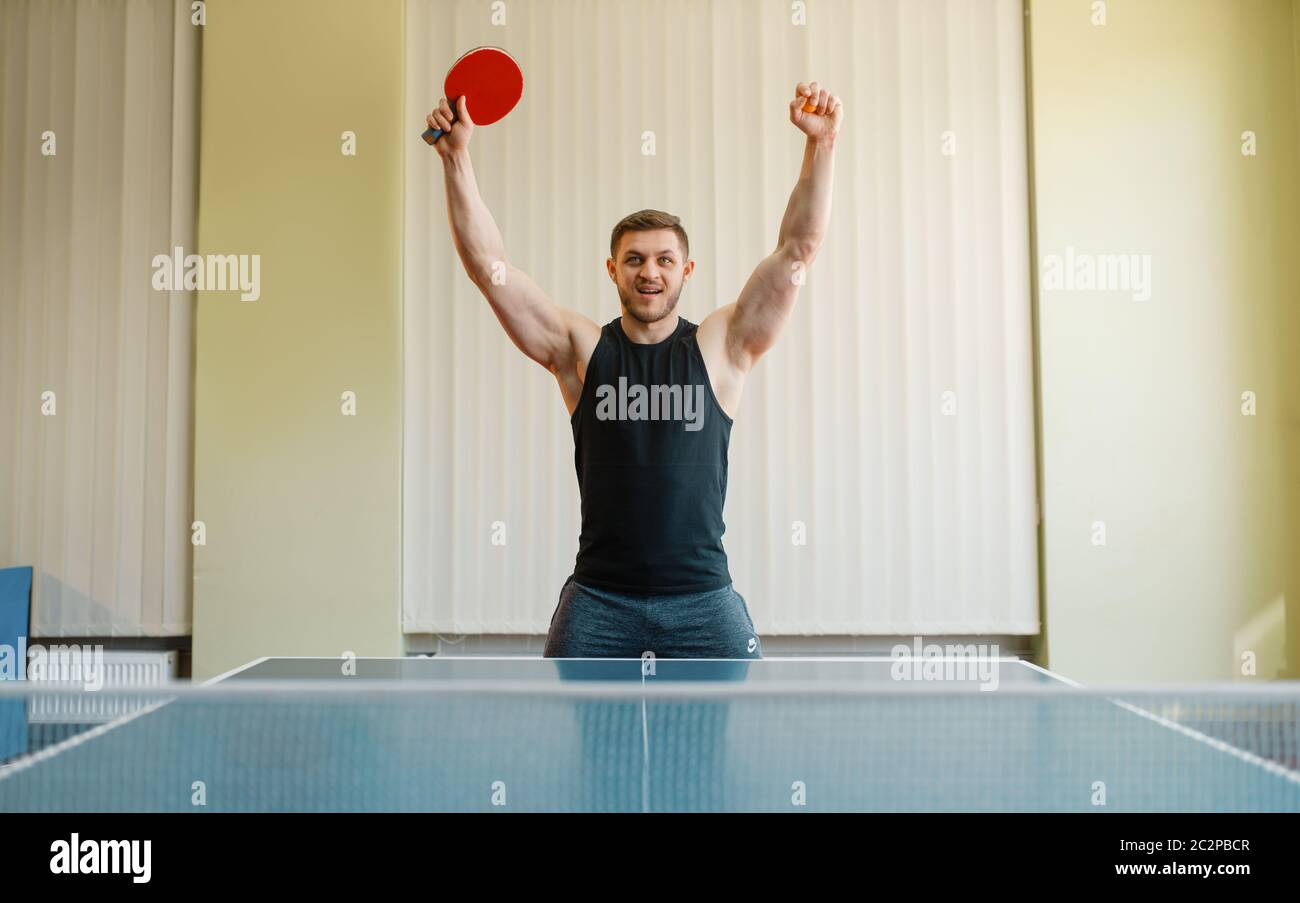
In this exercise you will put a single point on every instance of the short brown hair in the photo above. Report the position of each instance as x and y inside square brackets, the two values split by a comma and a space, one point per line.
[648, 221]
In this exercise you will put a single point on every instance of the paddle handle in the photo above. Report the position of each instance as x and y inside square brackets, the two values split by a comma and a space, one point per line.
[432, 135]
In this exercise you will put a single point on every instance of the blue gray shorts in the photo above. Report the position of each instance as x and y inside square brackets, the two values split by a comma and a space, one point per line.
[600, 623]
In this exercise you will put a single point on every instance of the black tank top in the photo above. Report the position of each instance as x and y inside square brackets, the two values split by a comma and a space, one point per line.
[650, 445]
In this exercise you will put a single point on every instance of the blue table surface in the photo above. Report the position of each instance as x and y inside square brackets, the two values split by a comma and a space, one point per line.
[463, 734]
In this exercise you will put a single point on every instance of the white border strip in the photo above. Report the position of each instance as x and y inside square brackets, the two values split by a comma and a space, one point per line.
[421, 657]
[1191, 733]
[1220, 745]
[55, 749]
[233, 671]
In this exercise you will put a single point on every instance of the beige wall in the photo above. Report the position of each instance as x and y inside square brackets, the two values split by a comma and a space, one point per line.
[1137, 150]
[301, 503]
[1290, 327]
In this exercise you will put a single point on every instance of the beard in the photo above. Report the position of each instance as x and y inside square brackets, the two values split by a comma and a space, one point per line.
[638, 309]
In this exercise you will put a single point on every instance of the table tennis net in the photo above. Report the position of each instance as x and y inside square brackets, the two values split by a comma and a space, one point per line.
[398, 748]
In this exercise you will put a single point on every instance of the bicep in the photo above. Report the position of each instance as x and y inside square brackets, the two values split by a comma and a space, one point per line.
[764, 305]
[539, 327]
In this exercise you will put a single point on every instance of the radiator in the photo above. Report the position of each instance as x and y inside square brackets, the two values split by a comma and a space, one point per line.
[120, 669]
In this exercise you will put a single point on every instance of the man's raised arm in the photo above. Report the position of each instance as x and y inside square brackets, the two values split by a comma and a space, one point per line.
[755, 321]
[540, 328]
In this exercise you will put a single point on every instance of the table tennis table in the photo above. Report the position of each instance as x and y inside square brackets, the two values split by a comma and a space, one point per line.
[524, 734]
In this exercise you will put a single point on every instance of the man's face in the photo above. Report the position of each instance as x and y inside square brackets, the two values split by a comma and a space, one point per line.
[650, 273]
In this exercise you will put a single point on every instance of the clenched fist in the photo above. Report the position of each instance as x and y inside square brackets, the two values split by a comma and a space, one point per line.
[816, 112]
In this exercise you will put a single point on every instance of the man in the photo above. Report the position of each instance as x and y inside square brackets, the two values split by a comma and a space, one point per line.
[651, 399]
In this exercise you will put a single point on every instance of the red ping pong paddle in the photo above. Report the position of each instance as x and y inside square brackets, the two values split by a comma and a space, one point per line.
[489, 79]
